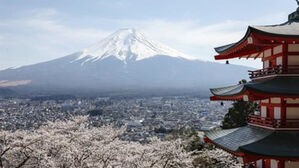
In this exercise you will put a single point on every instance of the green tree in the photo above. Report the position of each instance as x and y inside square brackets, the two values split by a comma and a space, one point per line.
[243, 81]
[238, 113]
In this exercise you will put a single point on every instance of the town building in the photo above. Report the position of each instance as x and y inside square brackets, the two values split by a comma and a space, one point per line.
[271, 139]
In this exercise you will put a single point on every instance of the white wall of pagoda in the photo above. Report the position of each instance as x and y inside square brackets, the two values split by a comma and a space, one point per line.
[292, 113]
[293, 59]
[289, 164]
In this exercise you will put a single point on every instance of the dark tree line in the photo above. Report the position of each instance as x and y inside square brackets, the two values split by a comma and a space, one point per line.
[237, 115]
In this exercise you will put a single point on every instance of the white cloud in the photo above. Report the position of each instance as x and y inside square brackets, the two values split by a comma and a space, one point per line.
[198, 39]
[43, 13]
[187, 33]
[41, 37]
[44, 34]
[197, 33]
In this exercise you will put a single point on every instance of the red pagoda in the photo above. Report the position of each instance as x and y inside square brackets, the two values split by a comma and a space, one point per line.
[271, 138]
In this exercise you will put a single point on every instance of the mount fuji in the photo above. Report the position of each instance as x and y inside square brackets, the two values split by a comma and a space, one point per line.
[127, 45]
[125, 60]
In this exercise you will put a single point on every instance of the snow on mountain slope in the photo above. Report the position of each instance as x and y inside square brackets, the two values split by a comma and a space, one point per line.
[127, 45]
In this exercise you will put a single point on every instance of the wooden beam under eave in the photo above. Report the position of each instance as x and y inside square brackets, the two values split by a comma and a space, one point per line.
[226, 98]
[258, 55]
[261, 55]
[253, 55]
[243, 54]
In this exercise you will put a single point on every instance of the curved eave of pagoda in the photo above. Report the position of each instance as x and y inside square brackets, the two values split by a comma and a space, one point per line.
[256, 40]
[230, 48]
[286, 87]
[235, 153]
[247, 95]
[256, 143]
[246, 157]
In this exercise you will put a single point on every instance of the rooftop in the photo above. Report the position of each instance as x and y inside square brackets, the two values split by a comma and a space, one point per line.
[257, 141]
[254, 40]
[283, 85]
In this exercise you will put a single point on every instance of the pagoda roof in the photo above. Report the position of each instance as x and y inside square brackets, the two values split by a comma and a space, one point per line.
[287, 29]
[257, 141]
[290, 28]
[282, 86]
[258, 38]
[232, 139]
[228, 91]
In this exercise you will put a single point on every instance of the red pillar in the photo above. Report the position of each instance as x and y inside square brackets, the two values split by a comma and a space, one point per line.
[285, 55]
[281, 164]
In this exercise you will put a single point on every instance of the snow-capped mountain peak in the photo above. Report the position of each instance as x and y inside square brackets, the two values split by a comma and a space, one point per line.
[125, 45]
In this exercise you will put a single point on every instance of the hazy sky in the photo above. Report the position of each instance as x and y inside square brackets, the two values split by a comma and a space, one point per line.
[32, 31]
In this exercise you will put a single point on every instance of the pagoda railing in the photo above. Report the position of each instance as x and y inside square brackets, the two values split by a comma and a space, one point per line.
[273, 123]
[291, 69]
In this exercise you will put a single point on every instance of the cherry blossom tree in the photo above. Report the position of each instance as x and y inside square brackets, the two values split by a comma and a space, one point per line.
[211, 158]
[74, 143]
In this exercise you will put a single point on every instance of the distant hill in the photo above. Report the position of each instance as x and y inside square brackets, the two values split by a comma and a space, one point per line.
[6, 92]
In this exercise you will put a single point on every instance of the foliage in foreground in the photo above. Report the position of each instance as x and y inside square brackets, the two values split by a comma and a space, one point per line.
[74, 143]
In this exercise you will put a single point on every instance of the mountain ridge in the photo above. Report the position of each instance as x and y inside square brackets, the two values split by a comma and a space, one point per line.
[120, 62]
